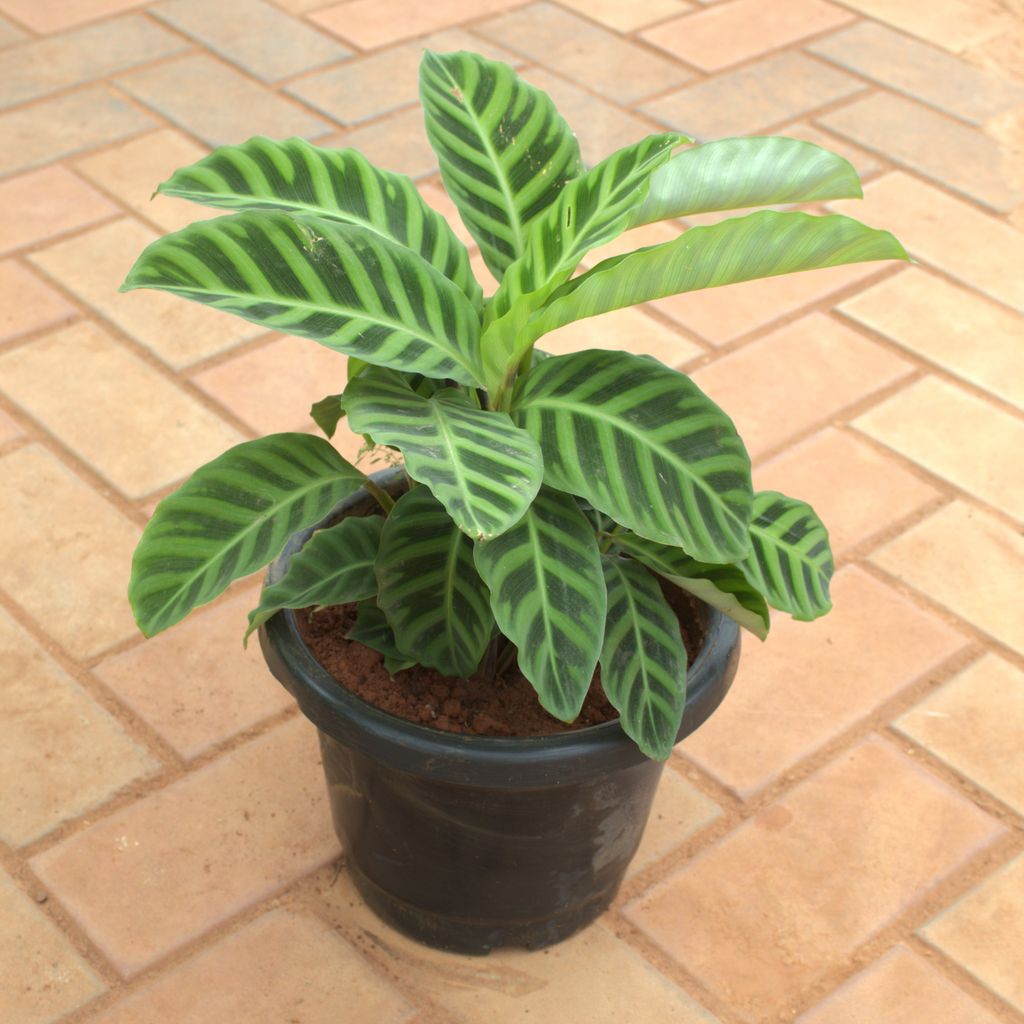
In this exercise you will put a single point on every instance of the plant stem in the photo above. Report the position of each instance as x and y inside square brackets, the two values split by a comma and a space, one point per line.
[607, 539]
[382, 497]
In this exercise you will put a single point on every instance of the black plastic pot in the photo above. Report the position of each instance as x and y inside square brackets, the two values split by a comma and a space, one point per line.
[468, 843]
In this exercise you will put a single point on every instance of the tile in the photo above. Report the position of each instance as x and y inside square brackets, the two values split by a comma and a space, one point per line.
[43, 204]
[721, 315]
[593, 57]
[900, 988]
[435, 196]
[920, 71]
[254, 35]
[59, 127]
[194, 684]
[385, 81]
[811, 681]
[622, 17]
[83, 55]
[984, 932]
[369, 24]
[26, 303]
[53, 521]
[630, 241]
[171, 433]
[591, 976]
[180, 90]
[718, 37]
[132, 171]
[856, 490]
[10, 430]
[968, 561]
[753, 98]
[198, 852]
[956, 436]
[924, 219]
[796, 376]
[761, 916]
[61, 754]
[974, 724]
[266, 968]
[10, 35]
[396, 143]
[53, 15]
[864, 163]
[962, 158]
[94, 264]
[41, 976]
[947, 325]
[627, 329]
[952, 24]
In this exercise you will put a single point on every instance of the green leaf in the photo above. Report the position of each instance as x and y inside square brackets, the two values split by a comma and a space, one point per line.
[722, 586]
[504, 151]
[478, 464]
[790, 561]
[373, 629]
[643, 658]
[327, 413]
[335, 566]
[762, 244]
[734, 173]
[344, 286]
[643, 444]
[293, 176]
[548, 597]
[429, 589]
[230, 518]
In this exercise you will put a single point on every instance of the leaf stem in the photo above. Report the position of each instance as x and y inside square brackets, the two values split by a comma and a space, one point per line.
[608, 538]
[381, 496]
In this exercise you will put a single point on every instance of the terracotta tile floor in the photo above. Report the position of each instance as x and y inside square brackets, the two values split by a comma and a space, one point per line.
[842, 844]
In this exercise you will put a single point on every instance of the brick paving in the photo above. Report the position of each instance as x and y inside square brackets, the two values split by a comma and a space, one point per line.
[842, 843]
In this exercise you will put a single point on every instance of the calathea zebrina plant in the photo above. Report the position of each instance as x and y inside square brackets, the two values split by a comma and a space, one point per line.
[547, 494]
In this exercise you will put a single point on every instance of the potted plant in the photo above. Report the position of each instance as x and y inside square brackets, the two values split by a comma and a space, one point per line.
[551, 511]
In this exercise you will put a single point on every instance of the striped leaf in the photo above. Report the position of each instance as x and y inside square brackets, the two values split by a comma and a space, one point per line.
[731, 174]
[296, 177]
[335, 566]
[344, 286]
[429, 589]
[643, 444]
[230, 518]
[327, 413]
[373, 629]
[548, 597]
[762, 244]
[643, 658]
[790, 560]
[722, 586]
[483, 469]
[504, 151]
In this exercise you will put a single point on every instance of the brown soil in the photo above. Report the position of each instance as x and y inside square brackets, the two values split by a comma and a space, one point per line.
[506, 706]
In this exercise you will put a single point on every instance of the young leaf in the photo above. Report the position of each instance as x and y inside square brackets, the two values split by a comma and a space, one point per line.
[504, 151]
[327, 413]
[731, 174]
[790, 561]
[479, 464]
[643, 658]
[344, 286]
[334, 567]
[643, 444]
[428, 587]
[230, 518]
[296, 177]
[722, 586]
[548, 597]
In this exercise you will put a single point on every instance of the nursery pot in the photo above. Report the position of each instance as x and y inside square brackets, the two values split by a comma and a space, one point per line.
[467, 843]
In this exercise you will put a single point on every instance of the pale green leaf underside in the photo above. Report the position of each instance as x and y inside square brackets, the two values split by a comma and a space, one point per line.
[731, 174]
[478, 463]
[296, 177]
[429, 589]
[503, 149]
[548, 597]
[721, 586]
[790, 560]
[335, 566]
[643, 658]
[643, 444]
[230, 518]
[344, 286]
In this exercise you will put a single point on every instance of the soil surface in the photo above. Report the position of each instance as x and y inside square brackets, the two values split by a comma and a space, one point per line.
[506, 706]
